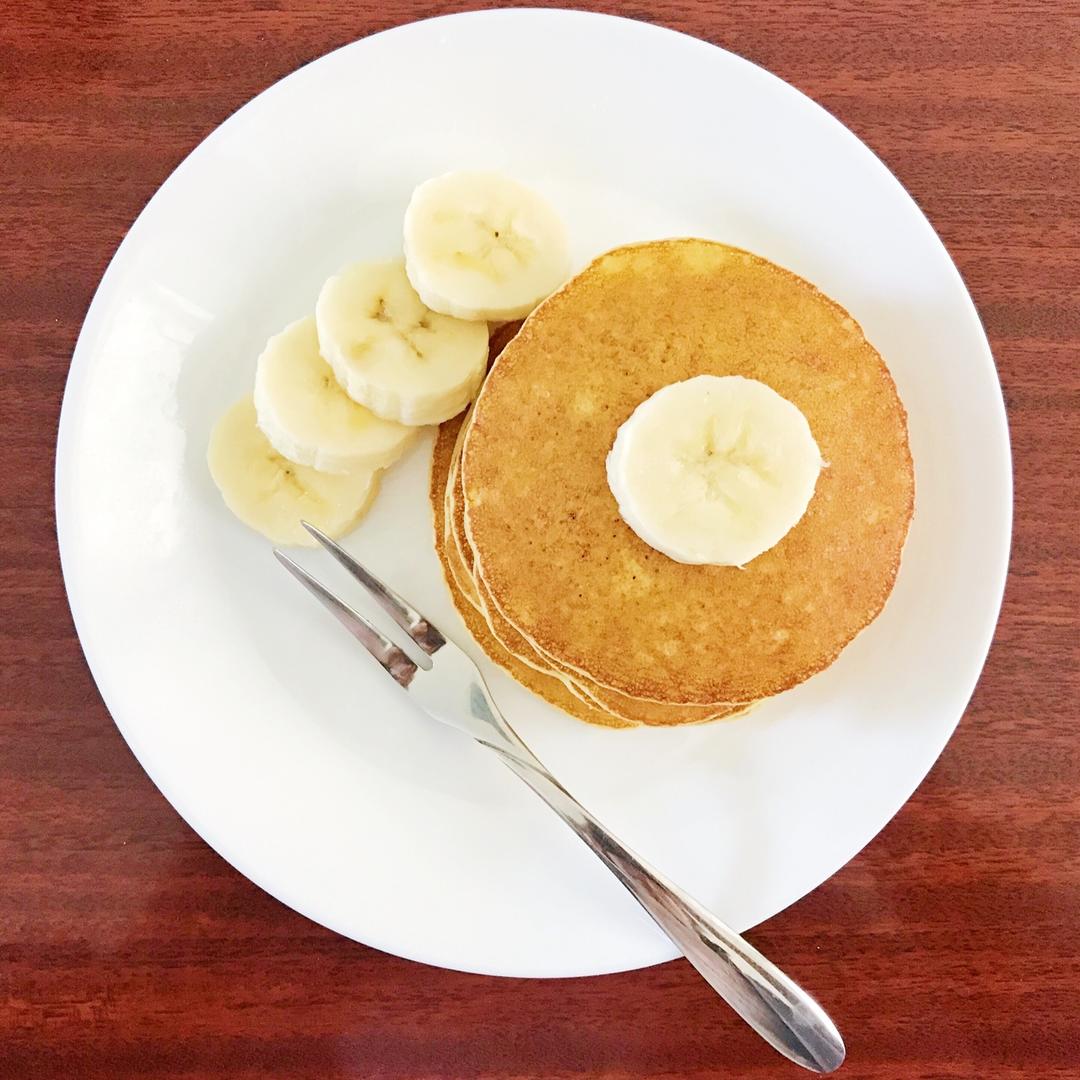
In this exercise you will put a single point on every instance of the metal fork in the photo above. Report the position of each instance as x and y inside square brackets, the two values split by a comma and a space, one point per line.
[447, 685]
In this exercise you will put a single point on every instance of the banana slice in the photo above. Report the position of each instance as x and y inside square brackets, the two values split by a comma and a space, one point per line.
[309, 419]
[482, 246]
[714, 469]
[273, 495]
[393, 354]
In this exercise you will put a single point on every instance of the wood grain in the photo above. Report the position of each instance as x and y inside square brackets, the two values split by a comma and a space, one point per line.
[947, 949]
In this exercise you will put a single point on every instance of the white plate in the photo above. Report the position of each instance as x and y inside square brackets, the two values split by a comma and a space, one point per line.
[288, 750]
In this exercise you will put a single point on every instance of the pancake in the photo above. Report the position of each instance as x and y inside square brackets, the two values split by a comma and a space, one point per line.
[636, 711]
[549, 547]
[509, 650]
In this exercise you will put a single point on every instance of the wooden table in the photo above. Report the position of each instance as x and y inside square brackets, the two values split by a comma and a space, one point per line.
[949, 948]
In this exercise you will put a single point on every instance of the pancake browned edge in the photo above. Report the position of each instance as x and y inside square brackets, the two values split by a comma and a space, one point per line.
[551, 689]
[552, 554]
[547, 687]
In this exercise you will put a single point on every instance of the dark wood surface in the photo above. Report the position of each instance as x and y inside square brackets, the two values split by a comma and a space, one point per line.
[949, 948]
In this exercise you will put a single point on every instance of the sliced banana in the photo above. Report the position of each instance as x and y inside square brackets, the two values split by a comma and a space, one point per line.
[714, 469]
[273, 495]
[479, 245]
[309, 419]
[393, 354]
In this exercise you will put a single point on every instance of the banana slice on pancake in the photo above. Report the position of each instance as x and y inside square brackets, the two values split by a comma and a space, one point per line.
[714, 469]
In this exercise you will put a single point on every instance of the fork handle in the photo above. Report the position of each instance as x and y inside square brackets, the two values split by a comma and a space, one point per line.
[776, 1007]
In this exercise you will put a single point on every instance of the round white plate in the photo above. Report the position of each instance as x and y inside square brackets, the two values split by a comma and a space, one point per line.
[264, 724]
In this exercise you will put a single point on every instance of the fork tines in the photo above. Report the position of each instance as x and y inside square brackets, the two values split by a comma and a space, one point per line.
[400, 610]
[394, 659]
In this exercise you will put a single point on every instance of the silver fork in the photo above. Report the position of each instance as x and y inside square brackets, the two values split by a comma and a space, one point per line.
[447, 685]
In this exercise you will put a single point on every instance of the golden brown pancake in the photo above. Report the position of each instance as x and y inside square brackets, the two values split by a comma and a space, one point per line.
[549, 546]
[499, 638]
[634, 710]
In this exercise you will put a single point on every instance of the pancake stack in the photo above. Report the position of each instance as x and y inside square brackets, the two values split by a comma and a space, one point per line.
[559, 590]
